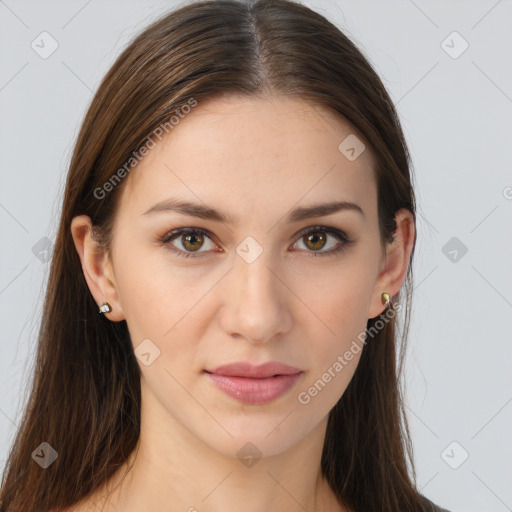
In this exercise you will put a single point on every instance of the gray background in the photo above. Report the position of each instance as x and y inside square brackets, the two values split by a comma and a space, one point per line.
[456, 110]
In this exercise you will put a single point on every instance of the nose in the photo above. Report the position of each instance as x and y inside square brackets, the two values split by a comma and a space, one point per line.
[256, 306]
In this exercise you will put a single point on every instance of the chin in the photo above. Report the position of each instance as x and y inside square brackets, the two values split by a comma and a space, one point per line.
[256, 437]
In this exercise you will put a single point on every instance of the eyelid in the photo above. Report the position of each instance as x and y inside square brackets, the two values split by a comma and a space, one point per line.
[343, 240]
[327, 229]
[177, 233]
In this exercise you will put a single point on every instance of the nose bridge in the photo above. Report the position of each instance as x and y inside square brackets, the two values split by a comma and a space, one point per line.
[255, 304]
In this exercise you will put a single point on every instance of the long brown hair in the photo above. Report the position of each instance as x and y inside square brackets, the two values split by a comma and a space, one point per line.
[85, 394]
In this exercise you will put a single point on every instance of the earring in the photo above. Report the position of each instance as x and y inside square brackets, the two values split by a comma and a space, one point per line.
[105, 308]
[386, 299]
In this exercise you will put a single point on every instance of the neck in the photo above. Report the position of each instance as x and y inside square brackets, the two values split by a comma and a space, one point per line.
[171, 469]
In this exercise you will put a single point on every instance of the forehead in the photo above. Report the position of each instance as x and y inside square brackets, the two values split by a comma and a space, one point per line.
[265, 154]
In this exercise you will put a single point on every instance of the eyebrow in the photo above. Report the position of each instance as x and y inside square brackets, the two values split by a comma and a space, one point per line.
[203, 211]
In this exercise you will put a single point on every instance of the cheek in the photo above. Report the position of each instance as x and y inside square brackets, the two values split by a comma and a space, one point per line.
[335, 363]
[155, 292]
[165, 303]
[337, 298]
[340, 301]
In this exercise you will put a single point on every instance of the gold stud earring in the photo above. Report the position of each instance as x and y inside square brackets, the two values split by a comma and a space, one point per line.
[385, 299]
[105, 308]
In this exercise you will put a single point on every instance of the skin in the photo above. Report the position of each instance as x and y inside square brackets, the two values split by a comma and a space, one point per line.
[254, 159]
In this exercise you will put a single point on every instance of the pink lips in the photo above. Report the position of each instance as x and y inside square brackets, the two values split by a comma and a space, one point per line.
[255, 385]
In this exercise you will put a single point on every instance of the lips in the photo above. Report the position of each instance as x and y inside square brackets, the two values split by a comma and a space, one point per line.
[243, 369]
[255, 385]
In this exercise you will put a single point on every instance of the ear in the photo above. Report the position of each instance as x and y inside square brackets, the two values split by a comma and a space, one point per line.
[396, 262]
[97, 267]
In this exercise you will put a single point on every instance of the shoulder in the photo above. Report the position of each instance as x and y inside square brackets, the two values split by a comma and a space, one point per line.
[432, 507]
[77, 507]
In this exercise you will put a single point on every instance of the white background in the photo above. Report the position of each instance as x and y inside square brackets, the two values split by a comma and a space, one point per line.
[457, 115]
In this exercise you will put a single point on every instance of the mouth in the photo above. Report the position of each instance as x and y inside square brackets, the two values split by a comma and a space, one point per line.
[255, 385]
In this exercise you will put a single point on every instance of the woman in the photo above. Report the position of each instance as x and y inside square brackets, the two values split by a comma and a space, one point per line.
[219, 326]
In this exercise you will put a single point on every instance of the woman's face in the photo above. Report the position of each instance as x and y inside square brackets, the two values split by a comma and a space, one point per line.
[264, 284]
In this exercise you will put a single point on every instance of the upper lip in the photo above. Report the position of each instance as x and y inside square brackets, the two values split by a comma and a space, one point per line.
[245, 369]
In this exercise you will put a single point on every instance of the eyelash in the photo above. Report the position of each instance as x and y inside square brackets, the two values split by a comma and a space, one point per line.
[337, 234]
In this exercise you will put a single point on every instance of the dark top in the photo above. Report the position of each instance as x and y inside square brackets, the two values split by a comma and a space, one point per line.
[433, 506]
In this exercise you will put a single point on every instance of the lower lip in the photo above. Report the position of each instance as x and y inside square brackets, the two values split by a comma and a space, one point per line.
[253, 391]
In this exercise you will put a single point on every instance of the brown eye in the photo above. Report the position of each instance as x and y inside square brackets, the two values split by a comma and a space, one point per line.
[321, 241]
[315, 240]
[186, 242]
[192, 241]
